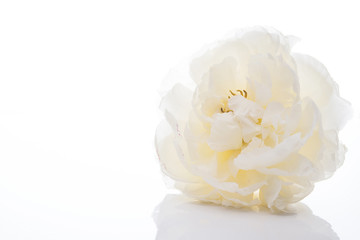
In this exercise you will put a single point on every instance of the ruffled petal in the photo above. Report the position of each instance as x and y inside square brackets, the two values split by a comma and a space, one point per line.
[294, 165]
[176, 105]
[317, 84]
[225, 133]
[257, 157]
[273, 115]
[234, 48]
[272, 80]
[266, 41]
[248, 114]
[245, 183]
[293, 190]
[169, 159]
[270, 192]
[243, 107]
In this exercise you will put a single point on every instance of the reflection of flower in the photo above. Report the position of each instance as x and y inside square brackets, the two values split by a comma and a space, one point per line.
[260, 125]
[179, 218]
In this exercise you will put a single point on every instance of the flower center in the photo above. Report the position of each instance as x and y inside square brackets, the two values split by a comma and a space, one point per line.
[225, 108]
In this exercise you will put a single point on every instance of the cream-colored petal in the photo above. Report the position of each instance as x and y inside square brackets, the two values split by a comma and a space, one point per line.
[177, 106]
[266, 41]
[271, 79]
[317, 84]
[259, 80]
[247, 113]
[310, 118]
[333, 154]
[267, 156]
[225, 169]
[225, 133]
[249, 183]
[243, 107]
[273, 115]
[293, 190]
[294, 165]
[197, 151]
[212, 92]
[249, 128]
[169, 159]
[223, 77]
[292, 119]
[325, 151]
[237, 200]
[234, 48]
[269, 192]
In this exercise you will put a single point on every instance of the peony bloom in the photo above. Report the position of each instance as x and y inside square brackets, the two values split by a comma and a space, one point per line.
[258, 125]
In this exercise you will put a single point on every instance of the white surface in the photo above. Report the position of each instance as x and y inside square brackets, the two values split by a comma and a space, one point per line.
[78, 111]
[178, 218]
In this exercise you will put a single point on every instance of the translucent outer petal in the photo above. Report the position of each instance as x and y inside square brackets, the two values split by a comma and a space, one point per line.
[171, 165]
[272, 79]
[317, 84]
[177, 105]
[234, 48]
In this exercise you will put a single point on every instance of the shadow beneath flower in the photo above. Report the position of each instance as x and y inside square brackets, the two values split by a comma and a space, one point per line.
[180, 218]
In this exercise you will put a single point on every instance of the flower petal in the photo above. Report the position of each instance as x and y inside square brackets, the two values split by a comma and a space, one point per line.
[265, 156]
[245, 108]
[273, 114]
[233, 48]
[269, 192]
[177, 105]
[272, 79]
[317, 84]
[244, 184]
[294, 165]
[169, 159]
[293, 190]
[248, 114]
[225, 133]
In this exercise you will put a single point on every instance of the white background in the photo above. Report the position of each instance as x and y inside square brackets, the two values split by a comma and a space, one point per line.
[78, 106]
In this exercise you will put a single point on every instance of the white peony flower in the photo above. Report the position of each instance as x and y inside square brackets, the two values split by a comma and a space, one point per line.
[258, 126]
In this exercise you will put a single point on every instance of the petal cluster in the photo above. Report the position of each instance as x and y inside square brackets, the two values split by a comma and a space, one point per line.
[258, 126]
